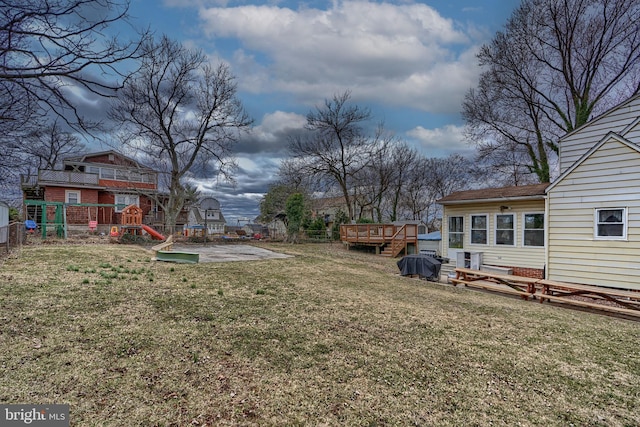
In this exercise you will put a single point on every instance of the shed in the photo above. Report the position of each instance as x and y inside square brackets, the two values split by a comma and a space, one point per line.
[429, 243]
[4, 222]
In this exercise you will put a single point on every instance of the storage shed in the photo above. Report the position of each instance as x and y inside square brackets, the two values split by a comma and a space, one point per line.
[429, 244]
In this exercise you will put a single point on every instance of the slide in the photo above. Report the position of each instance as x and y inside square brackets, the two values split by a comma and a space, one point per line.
[153, 233]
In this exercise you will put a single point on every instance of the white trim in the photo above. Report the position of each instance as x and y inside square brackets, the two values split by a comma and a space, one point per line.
[524, 225]
[449, 231]
[66, 195]
[621, 105]
[486, 220]
[514, 230]
[625, 223]
[608, 137]
[630, 127]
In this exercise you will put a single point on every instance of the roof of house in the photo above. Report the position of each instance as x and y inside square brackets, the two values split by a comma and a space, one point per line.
[328, 202]
[84, 158]
[608, 137]
[519, 192]
[600, 116]
[433, 236]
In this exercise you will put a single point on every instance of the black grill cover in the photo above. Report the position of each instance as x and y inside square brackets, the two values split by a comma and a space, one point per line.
[426, 267]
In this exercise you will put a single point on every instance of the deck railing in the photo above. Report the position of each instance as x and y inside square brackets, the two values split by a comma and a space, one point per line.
[59, 177]
[394, 237]
[367, 233]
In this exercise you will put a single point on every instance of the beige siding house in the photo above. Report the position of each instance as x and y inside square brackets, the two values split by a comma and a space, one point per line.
[594, 217]
[623, 120]
[591, 213]
[506, 226]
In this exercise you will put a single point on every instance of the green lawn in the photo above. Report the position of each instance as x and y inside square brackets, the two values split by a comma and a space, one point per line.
[329, 337]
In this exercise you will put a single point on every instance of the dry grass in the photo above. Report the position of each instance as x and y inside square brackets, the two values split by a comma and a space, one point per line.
[329, 337]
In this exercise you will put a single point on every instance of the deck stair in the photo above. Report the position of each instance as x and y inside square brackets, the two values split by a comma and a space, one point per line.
[393, 239]
[396, 245]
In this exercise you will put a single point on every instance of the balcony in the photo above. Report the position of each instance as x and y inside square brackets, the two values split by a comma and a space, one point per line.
[59, 177]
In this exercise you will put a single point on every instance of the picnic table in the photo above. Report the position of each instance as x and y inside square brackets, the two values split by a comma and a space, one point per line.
[616, 300]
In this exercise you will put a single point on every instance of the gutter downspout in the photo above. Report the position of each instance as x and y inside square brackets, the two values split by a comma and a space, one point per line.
[546, 235]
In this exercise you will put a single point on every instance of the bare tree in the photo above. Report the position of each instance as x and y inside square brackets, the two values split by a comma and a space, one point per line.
[403, 160]
[449, 174]
[337, 147]
[293, 175]
[429, 179]
[506, 164]
[184, 115]
[554, 66]
[46, 147]
[384, 179]
[416, 196]
[51, 51]
[49, 46]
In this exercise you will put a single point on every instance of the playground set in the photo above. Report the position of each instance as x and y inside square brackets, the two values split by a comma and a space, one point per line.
[130, 225]
[53, 215]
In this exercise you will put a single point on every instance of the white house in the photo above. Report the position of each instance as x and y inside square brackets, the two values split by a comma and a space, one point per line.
[207, 213]
[590, 214]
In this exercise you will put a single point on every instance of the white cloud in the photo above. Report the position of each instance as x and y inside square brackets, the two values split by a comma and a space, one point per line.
[278, 123]
[405, 54]
[441, 142]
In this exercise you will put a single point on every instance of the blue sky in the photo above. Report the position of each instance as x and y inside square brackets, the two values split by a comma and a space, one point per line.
[410, 62]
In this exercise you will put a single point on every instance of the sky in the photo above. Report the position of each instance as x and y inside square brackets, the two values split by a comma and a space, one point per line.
[409, 62]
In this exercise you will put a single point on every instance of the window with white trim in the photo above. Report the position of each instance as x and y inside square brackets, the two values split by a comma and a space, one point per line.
[533, 229]
[505, 230]
[71, 196]
[456, 232]
[124, 200]
[479, 225]
[611, 224]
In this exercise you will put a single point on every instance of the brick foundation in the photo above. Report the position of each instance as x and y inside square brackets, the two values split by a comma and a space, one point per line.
[536, 273]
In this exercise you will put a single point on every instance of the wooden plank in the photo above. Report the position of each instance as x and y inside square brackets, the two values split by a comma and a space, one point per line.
[590, 288]
[587, 304]
[505, 277]
[164, 245]
[490, 286]
[539, 288]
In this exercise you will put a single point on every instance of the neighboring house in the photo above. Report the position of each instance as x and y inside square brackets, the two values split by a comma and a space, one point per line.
[328, 207]
[589, 217]
[207, 213]
[91, 180]
[277, 228]
[256, 230]
[505, 226]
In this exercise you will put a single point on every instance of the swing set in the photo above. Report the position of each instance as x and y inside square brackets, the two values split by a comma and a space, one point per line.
[39, 216]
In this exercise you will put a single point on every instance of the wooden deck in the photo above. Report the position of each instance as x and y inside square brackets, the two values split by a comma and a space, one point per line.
[390, 239]
[593, 297]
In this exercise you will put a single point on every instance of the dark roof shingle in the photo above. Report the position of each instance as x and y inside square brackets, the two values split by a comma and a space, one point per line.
[515, 192]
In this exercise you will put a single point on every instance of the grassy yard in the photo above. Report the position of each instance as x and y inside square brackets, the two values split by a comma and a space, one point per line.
[330, 337]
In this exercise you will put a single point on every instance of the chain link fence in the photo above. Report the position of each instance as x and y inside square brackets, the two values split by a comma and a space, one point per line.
[12, 237]
[321, 236]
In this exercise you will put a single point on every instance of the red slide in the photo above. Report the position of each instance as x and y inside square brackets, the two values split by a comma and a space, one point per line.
[153, 233]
